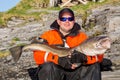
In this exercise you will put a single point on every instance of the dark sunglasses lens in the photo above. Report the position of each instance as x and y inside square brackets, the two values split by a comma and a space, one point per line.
[63, 19]
[69, 19]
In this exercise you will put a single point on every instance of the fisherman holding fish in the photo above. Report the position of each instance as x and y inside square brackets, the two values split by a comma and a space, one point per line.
[81, 61]
[65, 32]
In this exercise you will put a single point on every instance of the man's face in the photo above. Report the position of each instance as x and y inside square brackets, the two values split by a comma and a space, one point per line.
[66, 22]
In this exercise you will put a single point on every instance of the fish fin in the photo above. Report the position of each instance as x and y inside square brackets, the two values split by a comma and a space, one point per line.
[16, 52]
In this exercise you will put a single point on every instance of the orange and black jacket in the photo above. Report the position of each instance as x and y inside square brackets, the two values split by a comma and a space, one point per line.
[54, 37]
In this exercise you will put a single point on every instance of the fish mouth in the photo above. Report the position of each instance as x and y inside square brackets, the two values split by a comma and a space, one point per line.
[105, 43]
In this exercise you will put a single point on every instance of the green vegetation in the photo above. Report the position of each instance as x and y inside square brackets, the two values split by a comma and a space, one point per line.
[21, 10]
[4, 53]
[0, 18]
[97, 33]
[16, 39]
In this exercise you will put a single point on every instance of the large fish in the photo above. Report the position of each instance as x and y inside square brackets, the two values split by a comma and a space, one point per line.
[92, 46]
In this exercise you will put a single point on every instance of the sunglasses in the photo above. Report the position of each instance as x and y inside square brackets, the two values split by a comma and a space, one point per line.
[65, 19]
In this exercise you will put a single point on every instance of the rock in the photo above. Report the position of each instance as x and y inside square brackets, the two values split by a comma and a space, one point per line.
[104, 20]
[15, 21]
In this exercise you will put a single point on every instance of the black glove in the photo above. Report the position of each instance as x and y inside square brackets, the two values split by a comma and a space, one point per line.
[106, 65]
[64, 62]
[78, 57]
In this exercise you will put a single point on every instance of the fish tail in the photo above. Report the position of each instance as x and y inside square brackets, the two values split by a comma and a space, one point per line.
[16, 52]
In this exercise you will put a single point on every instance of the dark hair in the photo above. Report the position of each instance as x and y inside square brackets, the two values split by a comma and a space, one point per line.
[65, 10]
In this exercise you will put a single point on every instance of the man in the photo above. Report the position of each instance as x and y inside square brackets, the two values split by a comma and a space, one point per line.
[65, 32]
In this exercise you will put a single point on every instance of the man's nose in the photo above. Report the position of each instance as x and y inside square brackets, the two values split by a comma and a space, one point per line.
[67, 20]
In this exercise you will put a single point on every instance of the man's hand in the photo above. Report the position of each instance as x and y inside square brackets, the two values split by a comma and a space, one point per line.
[75, 59]
[78, 57]
[65, 62]
[106, 65]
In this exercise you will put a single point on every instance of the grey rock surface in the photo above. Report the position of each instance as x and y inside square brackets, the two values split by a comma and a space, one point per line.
[106, 21]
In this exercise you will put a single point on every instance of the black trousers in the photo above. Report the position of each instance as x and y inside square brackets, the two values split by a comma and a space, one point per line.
[50, 71]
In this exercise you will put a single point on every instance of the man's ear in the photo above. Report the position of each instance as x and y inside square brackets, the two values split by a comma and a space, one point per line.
[58, 21]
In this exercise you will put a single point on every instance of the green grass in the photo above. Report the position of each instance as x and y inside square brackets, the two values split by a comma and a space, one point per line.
[4, 53]
[1, 22]
[16, 39]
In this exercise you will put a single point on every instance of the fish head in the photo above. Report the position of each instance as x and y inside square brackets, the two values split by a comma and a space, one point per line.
[95, 45]
[101, 44]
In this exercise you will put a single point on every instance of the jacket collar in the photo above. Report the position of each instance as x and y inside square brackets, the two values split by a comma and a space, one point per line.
[74, 30]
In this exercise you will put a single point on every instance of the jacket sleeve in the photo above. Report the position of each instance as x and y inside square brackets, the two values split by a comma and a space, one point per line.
[94, 59]
[41, 56]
